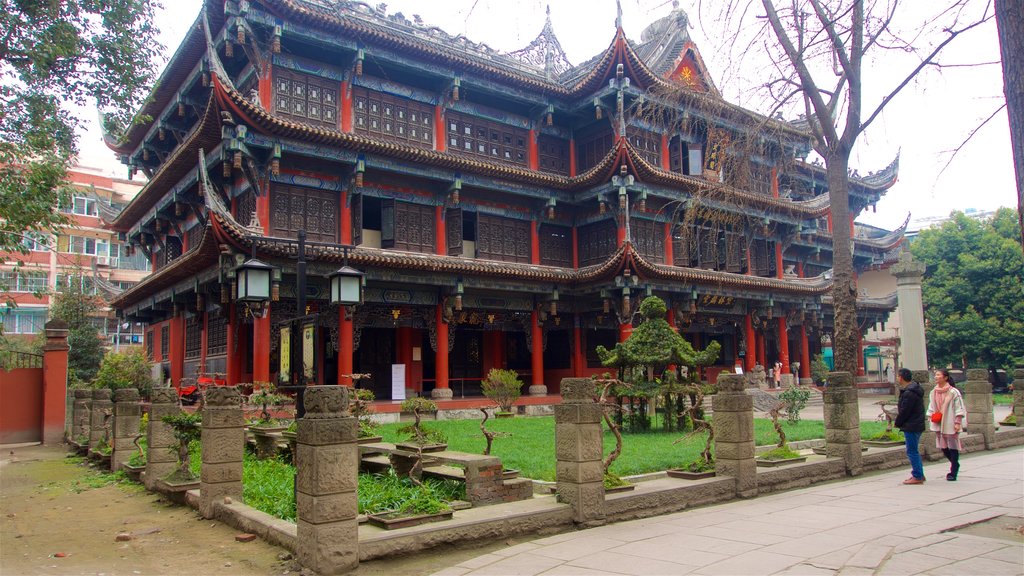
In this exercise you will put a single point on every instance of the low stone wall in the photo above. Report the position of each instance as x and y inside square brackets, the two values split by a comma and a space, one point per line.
[665, 496]
[885, 458]
[1006, 437]
[800, 475]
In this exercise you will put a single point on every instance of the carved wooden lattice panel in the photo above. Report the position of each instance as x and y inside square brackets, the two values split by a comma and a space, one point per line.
[591, 149]
[245, 207]
[193, 336]
[216, 335]
[647, 143]
[649, 239]
[597, 242]
[407, 226]
[683, 239]
[553, 154]
[707, 248]
[296, 208]
[165, 341]
[555, 245]
[305, 97]
[149, 345]
[392, 117]
[194, 235]
[505, 239]
[356, 209]
[453, 231]
[172, 249]
[735, 252]
[486, 139]
[762, 257]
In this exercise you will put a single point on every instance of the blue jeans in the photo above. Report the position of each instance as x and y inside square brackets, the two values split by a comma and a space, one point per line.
[912, 440]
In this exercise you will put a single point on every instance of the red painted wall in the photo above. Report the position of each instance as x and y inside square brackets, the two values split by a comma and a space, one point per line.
[21, 411]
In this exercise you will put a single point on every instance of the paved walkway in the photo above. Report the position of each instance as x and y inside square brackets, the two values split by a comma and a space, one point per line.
[866, 525]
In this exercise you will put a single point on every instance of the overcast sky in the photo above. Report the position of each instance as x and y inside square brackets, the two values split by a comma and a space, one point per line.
[930, 118]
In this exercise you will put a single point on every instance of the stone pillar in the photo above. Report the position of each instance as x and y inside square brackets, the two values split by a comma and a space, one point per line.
[101, 409]
[978, 401]
[223, 441]
[1018, 396]
[579, 472]
[161, 446]
[927, 447]
[81, 416]
[325, 482]
[842, 421]
[127, 412]
[55, 381]
[734, 434]
[908, 273]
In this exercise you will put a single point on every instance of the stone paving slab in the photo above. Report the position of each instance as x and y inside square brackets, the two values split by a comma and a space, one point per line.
[867, 525]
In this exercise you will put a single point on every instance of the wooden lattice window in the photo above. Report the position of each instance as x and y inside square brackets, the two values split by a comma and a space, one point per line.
[735, 252]
[505, 239]
[486, 139]
[646, 143]
[169, 252]
[193, 336]
[392, 117]
[296, 208]
[597, 242]
[762, 258]
[553, 154]
[165, 341]
[149, 345]
[305, 97]
[649, 238]
[407, 226]
[216, 335]
[555, 245]
[245, 208]
[761, 179]
[592, 149]
[193, 235]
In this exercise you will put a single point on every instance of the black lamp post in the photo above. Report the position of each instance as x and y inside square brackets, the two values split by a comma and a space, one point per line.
[346, 286]
[253, 283]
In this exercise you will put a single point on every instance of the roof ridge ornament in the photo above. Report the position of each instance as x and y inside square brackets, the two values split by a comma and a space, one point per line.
[545, 51]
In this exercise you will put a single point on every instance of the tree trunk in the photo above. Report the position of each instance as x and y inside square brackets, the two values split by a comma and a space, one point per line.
[844, 289]
[1010, 23]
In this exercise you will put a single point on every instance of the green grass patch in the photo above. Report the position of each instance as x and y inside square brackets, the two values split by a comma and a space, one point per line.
[531, 447]
[890, 436]
[779, 453]
[1002, 399]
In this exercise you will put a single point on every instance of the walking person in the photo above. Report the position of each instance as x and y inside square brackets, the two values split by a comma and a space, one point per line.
[910, 419]
[947, 418]
[778, 374]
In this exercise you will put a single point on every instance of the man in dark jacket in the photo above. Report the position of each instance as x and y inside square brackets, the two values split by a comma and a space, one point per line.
[910, 419]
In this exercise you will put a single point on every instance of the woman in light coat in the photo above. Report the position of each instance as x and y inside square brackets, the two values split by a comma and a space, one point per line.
[947, 404]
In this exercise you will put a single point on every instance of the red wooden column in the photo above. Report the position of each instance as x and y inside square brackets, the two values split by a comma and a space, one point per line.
[805, 354]
[533, 154]
[346, 106]
[572, 157]
[346, 219]
[669, 256]
[778, 260]
[751, 337]
[665, 162]
[625, 331]
[261, 348]
[176, 347]
[441, 241]
[579, 359]
[775, 182]
[439, 131]
[441, 389]
[55, 381]
[783, 345]
[534, 242]
[536, 350]
[346, 337]
[232, 358]
[575, 249]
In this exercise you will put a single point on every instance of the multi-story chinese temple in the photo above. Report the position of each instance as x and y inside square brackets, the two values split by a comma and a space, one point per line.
[506, 209]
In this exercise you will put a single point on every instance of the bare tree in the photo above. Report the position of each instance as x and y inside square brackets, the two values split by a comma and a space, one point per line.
[1010, 22]
[817, 50]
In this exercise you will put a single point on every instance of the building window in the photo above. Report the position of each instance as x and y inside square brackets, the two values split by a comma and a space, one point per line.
[84, 206]
[406, 226]
[597, 242]
[24, 281]
[392, 117]
[216, 335]
[74, 281]
[305, 97]
[165, 341]
[649, 239]
[83, 245]
[486, 139]
[646, 143]
[593, 148]
[504, 239]
[35, 242]
[149, 345]
[553, 154]
[193, 336]
[555, 245]
[296, 208]
[23, 321]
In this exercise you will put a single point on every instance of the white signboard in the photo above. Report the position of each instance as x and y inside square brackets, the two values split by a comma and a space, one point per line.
[398, 381]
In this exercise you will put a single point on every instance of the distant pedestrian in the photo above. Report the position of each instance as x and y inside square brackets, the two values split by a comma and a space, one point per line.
[947, 418]
[777, 375]
[910, 419]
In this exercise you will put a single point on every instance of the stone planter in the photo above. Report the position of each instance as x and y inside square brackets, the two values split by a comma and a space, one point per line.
[266, 440]
[687, 475]
[102, 460]
[370, 439]
[413, 447]
[623, 488]
[133, 472]
[882, 443]
[1008, 423]
[504, 414]
[292, 438]
[395, 520]
[509, 474]
[774, 463]
[80, 448]
[821, 451]
[174, 489]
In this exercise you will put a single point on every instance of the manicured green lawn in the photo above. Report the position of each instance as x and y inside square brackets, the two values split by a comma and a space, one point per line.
[1002, 399]
[531, 446]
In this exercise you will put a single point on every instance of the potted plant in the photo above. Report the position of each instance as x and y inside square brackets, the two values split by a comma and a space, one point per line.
[782, 454]
[423, 506]
[186, 428]
[137, 463]
[361, 406]
[489, 436]
[102, 451]
[420, 437]
[266, 429]
[503, 387]
[703, 467]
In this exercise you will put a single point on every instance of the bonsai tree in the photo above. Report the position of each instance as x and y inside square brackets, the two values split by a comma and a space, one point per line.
[489, 435]
[418, 433]
[700, 426]
[774, 407]
[503, 387]
[361, 406]
[185, 428]
[605, 386]
[264, 396]
[139, 457]
[794, 400]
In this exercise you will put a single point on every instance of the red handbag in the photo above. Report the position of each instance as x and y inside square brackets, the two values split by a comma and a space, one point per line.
[936, 417]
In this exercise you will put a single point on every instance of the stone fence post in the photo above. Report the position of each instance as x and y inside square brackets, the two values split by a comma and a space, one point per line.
[927, 447]
[81, 416]
[579, 472]
[1018, 395]
[978, 401]
[326, 478]
[101, 409]
[161, 452]
[223, 441]
[127, 412]
[842, 421]
[734, 434]
[55, 381]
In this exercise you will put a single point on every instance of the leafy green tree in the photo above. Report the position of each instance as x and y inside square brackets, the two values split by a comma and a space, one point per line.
[55, 58]
[129, 369]
[73, 305]
[973, 290]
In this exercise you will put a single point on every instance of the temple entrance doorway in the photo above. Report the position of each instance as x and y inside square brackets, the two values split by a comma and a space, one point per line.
[376, 355]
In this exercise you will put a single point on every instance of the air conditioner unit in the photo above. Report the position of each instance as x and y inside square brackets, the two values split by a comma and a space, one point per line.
[115, 262]
[103, 261]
